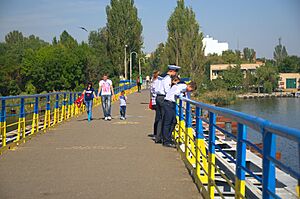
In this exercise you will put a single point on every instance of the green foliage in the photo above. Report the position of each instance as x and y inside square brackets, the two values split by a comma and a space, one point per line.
[267, 77]
[233, 77]
[218, 97]
[290, 64]
[249, 55]
[123, 28]
[280, 53]
[184, 46]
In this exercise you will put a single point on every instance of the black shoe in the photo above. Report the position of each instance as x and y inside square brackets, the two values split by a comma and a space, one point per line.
[157, 141]
[170, 145]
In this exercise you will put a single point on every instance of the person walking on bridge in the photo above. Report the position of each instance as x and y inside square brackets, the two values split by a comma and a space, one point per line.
[107, 93]
[89, 95]
[162, 88]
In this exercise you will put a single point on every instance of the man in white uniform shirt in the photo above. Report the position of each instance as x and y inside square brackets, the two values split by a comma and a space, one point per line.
[169, 119]
[162, 88]
[107, 92]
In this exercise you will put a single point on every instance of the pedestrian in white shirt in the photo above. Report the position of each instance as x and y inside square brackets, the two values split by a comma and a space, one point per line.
[162, 88]
[106, 91]
[169, 120]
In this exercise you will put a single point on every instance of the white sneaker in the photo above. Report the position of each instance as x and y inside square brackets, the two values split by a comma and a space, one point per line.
[109, 118]
[121, 118]
[105, 118]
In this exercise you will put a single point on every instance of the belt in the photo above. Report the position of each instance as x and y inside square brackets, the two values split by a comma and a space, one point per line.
[161, 95]
[168, 101]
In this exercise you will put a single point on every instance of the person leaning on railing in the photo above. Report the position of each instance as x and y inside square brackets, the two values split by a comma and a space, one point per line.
[162, 88]
[169, 119]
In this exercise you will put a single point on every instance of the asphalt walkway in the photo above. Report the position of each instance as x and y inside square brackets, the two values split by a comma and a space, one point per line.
[100, 159]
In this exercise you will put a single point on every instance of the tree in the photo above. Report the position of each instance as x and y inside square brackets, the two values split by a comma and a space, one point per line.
[249, 55]
[233, 77]
[230, 57]
[184, 45]
[157, 58]
[123, 27]
[267, 77]
[290, 64]
[280, 53]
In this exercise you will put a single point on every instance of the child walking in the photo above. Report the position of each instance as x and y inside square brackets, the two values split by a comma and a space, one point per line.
[123, 100]
[89, 94]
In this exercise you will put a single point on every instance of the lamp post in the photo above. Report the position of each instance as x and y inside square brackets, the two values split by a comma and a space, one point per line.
[130, 70]
[140, 70]
[125, 64]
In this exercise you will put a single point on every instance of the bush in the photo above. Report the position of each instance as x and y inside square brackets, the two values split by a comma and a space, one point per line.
[219, 97]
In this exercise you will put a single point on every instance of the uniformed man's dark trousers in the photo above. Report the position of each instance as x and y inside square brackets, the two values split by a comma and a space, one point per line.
[159, 113]
[169, 121]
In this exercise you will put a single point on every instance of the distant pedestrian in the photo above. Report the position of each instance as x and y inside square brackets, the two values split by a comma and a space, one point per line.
[123, 100]
[153, 85]
[162, 88]
[106, 91]
[89, 94]
[147, 81]
[139, 83]
[169, 120]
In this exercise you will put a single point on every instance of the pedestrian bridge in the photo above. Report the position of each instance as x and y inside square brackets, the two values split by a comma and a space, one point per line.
[50, 150]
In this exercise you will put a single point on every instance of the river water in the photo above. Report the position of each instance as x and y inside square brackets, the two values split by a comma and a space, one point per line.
[284, 111]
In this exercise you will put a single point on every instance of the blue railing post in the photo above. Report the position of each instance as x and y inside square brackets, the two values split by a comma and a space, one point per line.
[175, 132]
[64, 110]
[70, 106]
[240, 161]
[21, 126]
[181, 123]
[47, 120]
[211, 155]
[35, 120]
[56, 110]
[3, 122]
[189, 135]
[269, 150]
[200, 148]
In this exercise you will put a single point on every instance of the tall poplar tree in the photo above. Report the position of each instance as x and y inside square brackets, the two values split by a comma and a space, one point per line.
[184, 45]
[123, 28]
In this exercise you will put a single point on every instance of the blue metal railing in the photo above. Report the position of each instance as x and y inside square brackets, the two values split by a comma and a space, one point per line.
[199, 149]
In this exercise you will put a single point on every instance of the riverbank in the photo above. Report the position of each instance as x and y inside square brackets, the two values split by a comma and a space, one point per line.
[266, 95]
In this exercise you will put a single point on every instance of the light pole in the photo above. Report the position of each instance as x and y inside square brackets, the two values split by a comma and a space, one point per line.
[130, 70]
[140, 70]
[125, 64]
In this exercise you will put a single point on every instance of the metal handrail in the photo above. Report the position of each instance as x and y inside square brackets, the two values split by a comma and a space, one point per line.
[192, 138]
[44, 111]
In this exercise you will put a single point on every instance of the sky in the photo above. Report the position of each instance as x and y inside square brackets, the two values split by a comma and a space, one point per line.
[255, 24]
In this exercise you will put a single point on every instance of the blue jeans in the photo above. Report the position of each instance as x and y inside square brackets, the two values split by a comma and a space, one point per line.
[122, 111]
[106, 105]
[89, 105]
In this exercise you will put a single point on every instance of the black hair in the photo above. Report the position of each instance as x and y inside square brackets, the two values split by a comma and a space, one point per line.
[89, 83]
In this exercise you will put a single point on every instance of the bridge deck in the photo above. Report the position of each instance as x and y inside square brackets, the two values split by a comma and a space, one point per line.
[99, 159]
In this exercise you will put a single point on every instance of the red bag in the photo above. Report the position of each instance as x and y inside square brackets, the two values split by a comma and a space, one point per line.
[79, 101]
[150, 104]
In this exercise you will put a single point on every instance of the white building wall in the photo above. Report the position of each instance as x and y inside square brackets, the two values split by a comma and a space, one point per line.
[214, 46]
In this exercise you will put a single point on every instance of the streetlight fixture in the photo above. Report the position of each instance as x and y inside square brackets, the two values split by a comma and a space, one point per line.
[125, 64]
[130, 70]
[140, 70]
